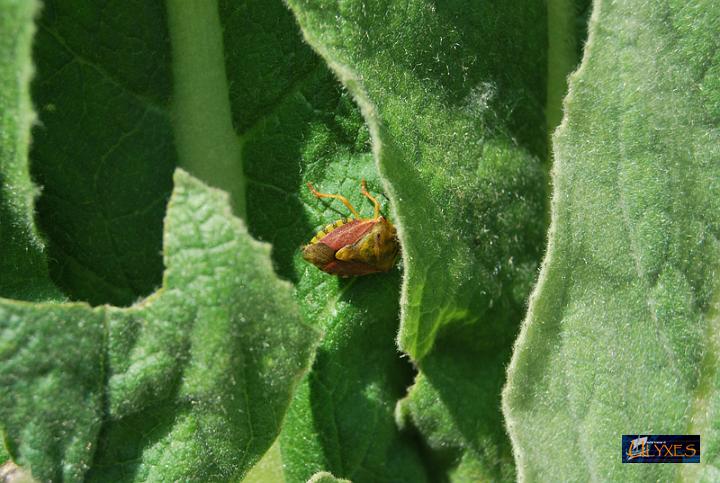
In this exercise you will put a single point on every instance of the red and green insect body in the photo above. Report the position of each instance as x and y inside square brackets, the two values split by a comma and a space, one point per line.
[354, 246]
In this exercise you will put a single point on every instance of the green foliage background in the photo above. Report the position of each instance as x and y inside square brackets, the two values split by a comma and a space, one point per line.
[158, 323]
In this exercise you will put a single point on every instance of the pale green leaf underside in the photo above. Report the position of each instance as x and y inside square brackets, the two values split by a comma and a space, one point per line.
[622, 333]
[192, 382]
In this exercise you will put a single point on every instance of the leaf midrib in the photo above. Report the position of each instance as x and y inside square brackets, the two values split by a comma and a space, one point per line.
[207, 144]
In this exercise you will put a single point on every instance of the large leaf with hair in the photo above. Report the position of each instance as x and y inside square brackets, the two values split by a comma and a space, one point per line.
[458, 133]
[300, 127]
[23, 264]
[622, 333]
[191, 383]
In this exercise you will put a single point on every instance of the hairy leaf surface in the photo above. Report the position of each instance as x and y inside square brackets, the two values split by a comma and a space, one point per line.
[622, 333]
[298, 125]
[458, 137]
[23, 264]
[191, 383]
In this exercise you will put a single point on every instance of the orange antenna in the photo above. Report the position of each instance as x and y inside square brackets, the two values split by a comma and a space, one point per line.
[375, 202]
[337, 197]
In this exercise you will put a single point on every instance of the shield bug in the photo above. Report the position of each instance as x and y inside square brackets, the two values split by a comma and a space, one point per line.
[353, 246]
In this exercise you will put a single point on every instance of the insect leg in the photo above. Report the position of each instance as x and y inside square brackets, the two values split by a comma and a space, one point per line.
[375, 202]
[339, 197]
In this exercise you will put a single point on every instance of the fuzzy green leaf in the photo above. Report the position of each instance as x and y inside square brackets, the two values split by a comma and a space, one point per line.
[23, 267]
[342, 414]
[297, 125]
[622, 333]
[192, 383]
[459, 134]
[454, 133]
